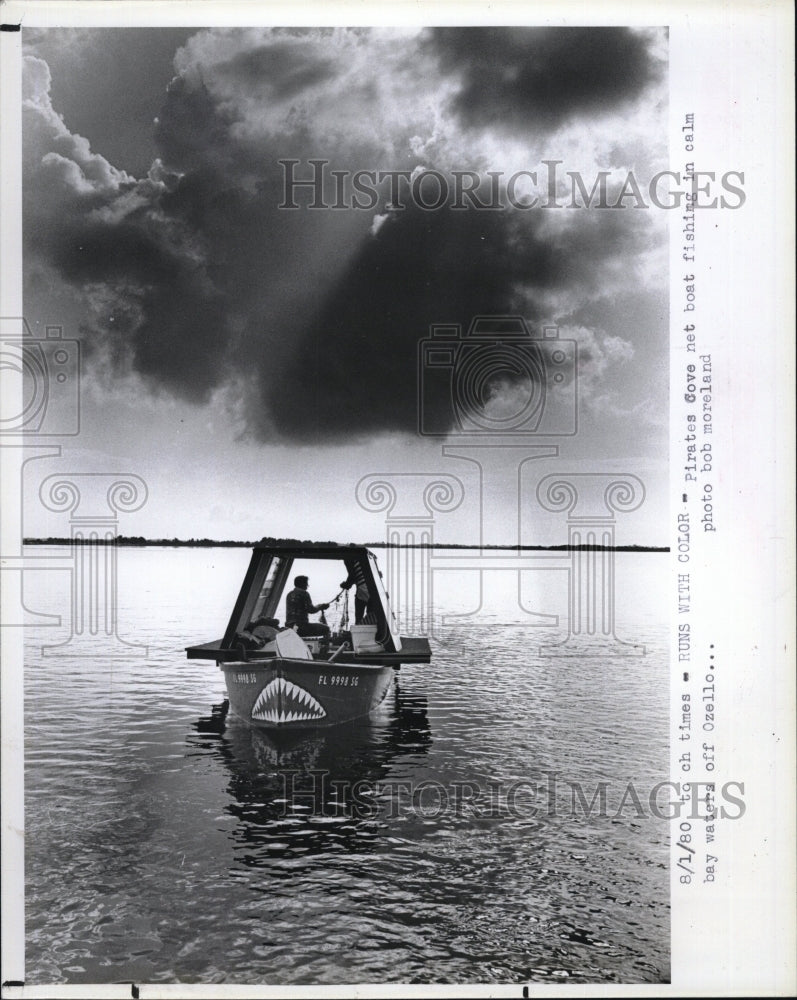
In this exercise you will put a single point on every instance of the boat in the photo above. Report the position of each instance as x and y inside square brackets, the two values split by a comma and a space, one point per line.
[279, 679]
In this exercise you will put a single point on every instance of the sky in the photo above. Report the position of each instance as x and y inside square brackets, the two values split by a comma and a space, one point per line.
[253, 363]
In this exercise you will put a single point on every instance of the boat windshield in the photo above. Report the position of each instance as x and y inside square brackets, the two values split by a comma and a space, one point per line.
[273, 575]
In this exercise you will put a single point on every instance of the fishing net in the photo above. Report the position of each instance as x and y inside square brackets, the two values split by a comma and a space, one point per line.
[337, 614]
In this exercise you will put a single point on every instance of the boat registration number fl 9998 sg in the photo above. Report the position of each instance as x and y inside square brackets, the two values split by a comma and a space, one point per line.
[342, 680]
[246, 678]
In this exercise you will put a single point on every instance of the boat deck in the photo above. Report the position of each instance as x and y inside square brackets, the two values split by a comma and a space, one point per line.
[414, 649]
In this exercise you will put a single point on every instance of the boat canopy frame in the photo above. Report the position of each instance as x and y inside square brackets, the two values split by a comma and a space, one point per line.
[268, 574]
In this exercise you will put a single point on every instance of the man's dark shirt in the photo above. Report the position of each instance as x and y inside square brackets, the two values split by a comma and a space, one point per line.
[298, 605]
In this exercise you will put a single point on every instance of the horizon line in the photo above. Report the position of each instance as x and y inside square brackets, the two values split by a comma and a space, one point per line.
[138, 541]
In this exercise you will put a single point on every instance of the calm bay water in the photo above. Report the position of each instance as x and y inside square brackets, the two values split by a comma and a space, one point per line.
[440, 840]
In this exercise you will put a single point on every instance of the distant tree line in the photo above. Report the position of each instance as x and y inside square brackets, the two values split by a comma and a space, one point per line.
[139, 540]
[268, 540]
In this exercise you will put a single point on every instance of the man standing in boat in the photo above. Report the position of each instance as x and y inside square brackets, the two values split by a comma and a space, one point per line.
[298, 605]
[362, 613]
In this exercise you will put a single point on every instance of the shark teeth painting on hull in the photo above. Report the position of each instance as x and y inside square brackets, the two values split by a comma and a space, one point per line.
[282, 701]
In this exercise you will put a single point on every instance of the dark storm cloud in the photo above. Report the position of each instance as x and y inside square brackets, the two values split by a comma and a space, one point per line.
[193, 276]
[539, 78]
[196, 280]
[190, 125]
[356, 368]
[165, 311]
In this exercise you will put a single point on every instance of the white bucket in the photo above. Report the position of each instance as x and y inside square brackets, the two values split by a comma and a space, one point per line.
[363, 635]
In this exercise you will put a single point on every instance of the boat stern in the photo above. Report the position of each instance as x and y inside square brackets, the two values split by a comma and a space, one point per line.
[304, 694]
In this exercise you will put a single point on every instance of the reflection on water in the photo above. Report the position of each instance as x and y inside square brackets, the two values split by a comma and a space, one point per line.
[295, 793]
[433, 842]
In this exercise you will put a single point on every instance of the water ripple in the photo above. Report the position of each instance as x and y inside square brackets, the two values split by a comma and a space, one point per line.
[444, 839]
